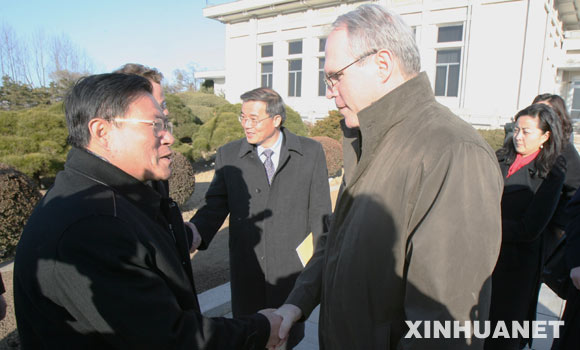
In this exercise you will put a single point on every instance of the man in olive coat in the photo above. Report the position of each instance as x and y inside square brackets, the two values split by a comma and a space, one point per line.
[416, 231]
[274, 203]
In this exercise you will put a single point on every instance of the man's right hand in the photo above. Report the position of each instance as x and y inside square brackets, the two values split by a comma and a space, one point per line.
[575, 276]
[290, 315]
[275, 321]
[196, 237]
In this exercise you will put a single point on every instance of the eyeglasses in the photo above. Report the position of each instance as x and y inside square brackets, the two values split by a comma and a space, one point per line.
[253, 121]
[333, 79]
[158, 125]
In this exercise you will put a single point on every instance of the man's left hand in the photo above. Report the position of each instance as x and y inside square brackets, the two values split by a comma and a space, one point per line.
[575, 276]
[196, 237]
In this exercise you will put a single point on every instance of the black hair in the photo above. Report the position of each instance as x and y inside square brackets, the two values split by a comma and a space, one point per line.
[548, 121]
[100, 96]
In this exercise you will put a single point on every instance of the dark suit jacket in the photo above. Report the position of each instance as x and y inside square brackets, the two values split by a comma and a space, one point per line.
[267, 223]
[103, 263]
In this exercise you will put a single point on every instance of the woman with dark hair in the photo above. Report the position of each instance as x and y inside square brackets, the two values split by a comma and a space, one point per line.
[533, 171]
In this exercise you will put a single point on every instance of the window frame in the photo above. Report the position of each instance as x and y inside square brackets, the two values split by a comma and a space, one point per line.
[449, 46]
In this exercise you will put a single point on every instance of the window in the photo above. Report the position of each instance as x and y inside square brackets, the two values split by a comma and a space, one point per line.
[267, 50]
[448, 61]
[450, 34]
[575, 111]
[295, 78]
[267, 74]
[295, 47]
[321, 44]
[321, 84]
[447, 73]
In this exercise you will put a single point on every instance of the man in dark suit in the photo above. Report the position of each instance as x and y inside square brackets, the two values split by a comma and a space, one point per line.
[274, 186]
[103, 262]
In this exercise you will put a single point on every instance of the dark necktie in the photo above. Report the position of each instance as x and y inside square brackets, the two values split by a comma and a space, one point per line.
[269, 165]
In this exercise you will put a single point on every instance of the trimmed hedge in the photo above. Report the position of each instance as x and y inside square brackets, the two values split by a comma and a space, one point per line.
[182, 180]
[494, 137]
[333, 154]
[18, 197]
[294, 122]
[329, 126]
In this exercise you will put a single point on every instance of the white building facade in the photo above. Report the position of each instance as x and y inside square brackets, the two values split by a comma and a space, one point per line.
[486, 59]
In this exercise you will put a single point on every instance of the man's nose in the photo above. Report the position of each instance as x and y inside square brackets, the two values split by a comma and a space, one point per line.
[330, 92]
[167, 138]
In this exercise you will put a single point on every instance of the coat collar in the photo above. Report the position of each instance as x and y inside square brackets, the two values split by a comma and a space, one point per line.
[378, 118]
[103, 172]
[291, 143]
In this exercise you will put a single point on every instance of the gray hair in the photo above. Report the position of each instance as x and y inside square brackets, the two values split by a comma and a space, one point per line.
[274, 102]
[372, 27]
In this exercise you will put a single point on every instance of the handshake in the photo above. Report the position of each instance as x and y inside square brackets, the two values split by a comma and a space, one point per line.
[281, 320]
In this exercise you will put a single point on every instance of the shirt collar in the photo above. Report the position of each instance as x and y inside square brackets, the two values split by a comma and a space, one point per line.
[276, 147]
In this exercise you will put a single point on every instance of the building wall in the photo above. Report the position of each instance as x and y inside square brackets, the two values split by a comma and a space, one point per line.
[510, 52]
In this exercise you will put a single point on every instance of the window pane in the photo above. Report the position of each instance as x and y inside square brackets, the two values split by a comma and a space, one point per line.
[291, 84]
[264, 80]
[440, 78]
[295, 47]
[321, 84]
[267, 50]
[267, 67]
[295, 65]
[448, 56]
[451, 33]
[321, 44]
[453, 82]
[299, 84]
[576, 98]
[321, 63]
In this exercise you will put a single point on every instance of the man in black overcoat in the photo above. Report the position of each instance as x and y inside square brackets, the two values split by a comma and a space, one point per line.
[103, 262]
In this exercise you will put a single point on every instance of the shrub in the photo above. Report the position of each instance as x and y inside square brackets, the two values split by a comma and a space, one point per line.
[294, 122]
[184, 133]
[202, 105]
[236, 108]
[11, 145]
[204, 113]
[227, 129]
[179, 113]
[333, 154]
[33, 140]
[182, 180]
[184, 149]
[191, 98]
[18, 196]
[36, 165]
[329, 126]
[494, 137]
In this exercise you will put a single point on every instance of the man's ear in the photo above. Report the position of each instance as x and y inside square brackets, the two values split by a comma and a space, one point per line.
[384, 60]
[99, 130]
[277, 120]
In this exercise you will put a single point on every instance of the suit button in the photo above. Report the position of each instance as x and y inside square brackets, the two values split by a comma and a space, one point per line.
[258, 190]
